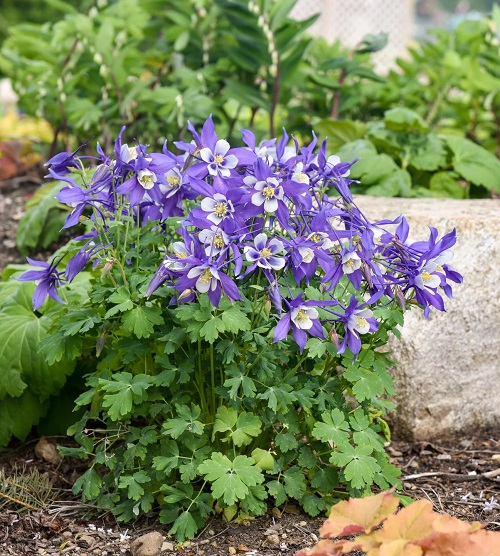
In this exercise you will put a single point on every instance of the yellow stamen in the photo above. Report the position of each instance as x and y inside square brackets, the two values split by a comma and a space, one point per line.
[439, 268]
[268, 192]
[173, 181]
[426, 276]
[361, 322]
[316, 238]
[206, 276]
[218, 158]
[265, 253]
[146, 181]
[218, 241]
[301, 316]
[220, 209]
[181, 255]
[300, 176]
[349, 263]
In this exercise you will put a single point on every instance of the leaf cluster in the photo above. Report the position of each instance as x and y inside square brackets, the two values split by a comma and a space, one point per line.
[193, 409]
[416, 529]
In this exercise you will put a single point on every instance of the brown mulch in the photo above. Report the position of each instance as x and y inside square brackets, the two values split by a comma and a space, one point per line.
[461, 476]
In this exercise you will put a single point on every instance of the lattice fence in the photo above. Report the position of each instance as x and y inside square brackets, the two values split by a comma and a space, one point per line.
[350, 20]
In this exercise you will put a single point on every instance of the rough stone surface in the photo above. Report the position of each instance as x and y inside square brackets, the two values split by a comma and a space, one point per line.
[448, 372]
[149, 544]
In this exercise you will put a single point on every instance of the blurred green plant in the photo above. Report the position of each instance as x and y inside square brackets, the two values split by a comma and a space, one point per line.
[147, 63]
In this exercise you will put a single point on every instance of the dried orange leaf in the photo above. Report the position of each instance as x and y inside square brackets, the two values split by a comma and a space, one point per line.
[397, 548]
[480, 543]
[411, 524]
[324, 547]
[359, 515]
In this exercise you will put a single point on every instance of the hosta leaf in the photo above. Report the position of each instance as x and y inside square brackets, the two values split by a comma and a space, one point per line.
[230, 479]
[359, 515]
[18, 415]
[474, 163]
[23, 365]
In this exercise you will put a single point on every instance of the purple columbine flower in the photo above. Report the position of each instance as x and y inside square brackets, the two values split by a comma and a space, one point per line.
[219, 163]
[215, 240]
[301, 318]
[357, 319]
[208, 278]
[47, 280]
[218, 207]
[264, 253]
[268, 193]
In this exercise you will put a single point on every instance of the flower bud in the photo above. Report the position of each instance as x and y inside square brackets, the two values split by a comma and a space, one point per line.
[107, 267]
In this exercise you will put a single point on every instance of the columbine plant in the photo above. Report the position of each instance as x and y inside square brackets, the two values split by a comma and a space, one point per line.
[237, 307]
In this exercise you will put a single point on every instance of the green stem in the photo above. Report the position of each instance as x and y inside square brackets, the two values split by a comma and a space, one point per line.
[212, 379]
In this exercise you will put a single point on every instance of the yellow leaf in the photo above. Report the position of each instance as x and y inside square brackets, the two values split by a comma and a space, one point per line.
[359, 515]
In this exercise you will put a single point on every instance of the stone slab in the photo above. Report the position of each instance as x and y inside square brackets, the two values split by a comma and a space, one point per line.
[448, 367]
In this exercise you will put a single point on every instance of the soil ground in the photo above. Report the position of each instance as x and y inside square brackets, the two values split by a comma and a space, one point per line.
[461, 476]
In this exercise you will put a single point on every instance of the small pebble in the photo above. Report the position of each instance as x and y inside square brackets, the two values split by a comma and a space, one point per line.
[443, 456]
[231, 550]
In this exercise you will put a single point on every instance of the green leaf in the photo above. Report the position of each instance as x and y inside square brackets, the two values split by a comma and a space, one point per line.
[230, 479]
[122, 301]
[210, 330]
[279, 398]
[474, 163]
[141, 320]
[133, 484]
[169, 459]
[340, 132]
[19, 414]
[316, 347]
[235, 320]
[263, 459]
[366, 384]
[445, 184]
[397, 184]
[313, 504]
[277, 491]
[43, 219]
[122, 391]
[241, 427]
[187, 421]
[89, 484]
[404, 119]
[360, 466]
[286, 441]
[184, 527]
[430, 156]
[22, 364]
[334, 428]
[295, 483]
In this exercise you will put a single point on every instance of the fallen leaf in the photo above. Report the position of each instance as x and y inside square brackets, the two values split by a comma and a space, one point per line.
[47, 451]
[359, 515]
[325, 547]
